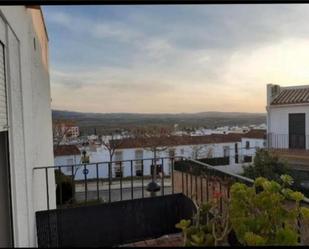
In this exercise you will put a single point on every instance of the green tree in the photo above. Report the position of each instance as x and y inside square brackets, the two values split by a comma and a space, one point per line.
[266, 164]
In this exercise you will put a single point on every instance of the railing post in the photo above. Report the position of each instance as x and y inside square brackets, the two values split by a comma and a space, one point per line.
[201, 180]
[109, 180]
[142, 161]
[86, 183]
[131, 165]
[191, 190]
[121, 180]
[97, 173]
[182, 181]
[172, 174]
[162, 181]
[60, 187]
[207, 188]
[73, 184]
[196, 196]
[47, 188]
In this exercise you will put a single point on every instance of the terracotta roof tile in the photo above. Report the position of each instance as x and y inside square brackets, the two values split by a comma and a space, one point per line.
[255, 133]
[66, 150]
[292, 96]
[178, 140]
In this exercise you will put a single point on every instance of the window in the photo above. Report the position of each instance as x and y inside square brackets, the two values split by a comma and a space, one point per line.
[226, 151]
[139, 162]
[247, 159]
[182, 151]
[118, 164]
[159, 169]
[171, 153]
[247, 145]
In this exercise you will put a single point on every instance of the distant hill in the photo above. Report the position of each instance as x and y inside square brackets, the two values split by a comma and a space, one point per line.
[106, 121]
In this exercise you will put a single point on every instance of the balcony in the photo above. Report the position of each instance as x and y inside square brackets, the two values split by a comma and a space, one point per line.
[120, 211]
[292, 147]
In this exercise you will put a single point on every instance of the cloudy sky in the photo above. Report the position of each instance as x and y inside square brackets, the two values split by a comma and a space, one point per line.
[173, 58]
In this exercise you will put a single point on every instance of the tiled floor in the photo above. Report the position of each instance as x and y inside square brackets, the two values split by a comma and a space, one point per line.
[172, 240]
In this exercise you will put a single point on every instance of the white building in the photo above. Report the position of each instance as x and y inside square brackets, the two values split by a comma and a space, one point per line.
[66, 155]
[25, 123]
[238, 148]
[288, 117]
[74, 131]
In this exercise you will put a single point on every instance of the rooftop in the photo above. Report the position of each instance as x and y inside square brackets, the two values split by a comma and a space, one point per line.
[65, 150]
[256, 133]
[188, 140]
[292, 95]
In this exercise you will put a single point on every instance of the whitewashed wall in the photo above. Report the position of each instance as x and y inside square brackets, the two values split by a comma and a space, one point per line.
[278, 124]
[253, 144]
[102, 155]
[30, 132]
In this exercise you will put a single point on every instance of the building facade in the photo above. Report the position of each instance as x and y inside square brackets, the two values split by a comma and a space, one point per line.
[288, 117]
[25, 123]
[231, 150]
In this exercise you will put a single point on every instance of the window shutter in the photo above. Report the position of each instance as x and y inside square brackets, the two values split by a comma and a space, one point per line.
[3, 96]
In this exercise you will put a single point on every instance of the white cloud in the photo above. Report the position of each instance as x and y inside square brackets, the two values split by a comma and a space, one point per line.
[218, 59]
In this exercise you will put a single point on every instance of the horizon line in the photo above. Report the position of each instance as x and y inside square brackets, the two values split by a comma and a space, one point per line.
[149, 113]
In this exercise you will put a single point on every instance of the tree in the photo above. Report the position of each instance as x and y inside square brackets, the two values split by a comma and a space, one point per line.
[155, 139]
[266, 164]
[197, 151]
[111, 143]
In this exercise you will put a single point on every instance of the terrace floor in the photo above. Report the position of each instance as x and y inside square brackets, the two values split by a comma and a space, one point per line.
[297, 158]
[171, 240]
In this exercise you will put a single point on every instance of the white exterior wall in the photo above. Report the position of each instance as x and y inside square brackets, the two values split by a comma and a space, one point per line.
[102, 155]
[67, 160]
[63, 160]
[253, 144]
[30, 131]
[278, 124]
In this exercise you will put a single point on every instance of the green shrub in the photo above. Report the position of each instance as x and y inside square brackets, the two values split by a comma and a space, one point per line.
[266, 165]
[267, 212]
[64, 189]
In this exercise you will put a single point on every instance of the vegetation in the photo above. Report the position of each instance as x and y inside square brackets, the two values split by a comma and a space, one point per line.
[267, 213]
[266, 165]
[64, 189]
[209, 226]
[104, 123]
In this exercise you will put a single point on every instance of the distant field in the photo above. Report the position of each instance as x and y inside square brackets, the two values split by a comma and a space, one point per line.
[107, 121]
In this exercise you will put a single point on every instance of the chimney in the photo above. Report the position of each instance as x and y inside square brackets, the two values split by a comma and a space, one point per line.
[272, 92]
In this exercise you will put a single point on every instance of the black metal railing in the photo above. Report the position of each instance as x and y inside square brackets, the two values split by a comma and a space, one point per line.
[90, 183]
[199, 181]
[287, 141]
[81, 184]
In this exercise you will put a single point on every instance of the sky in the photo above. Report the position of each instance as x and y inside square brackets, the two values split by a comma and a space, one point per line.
[174, 58]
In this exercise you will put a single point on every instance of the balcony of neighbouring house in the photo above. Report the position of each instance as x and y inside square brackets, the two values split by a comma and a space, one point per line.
[294, 148]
